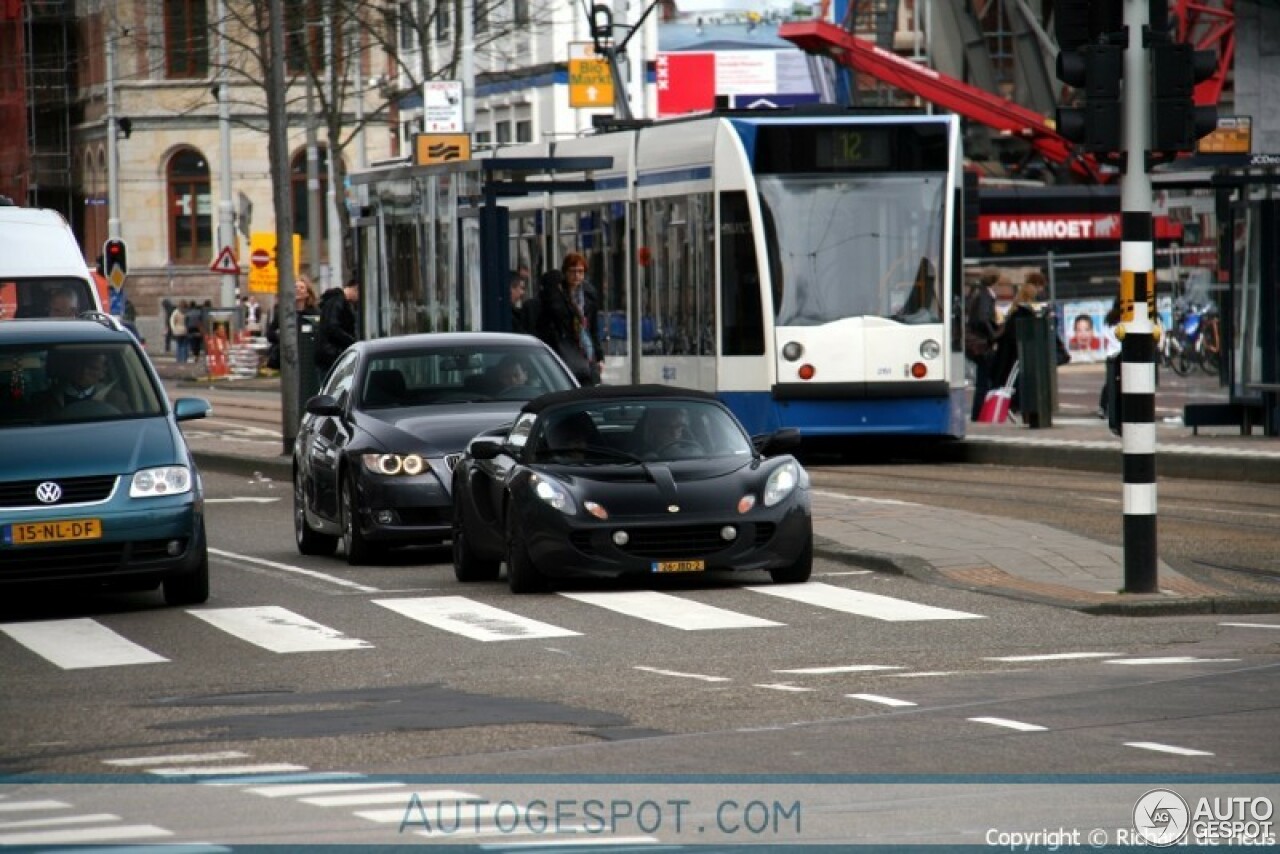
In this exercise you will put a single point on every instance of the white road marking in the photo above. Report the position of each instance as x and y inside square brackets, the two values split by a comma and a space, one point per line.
[138, 761]
[920, 673]
[278, 629]
[244, 499]
[841, 668]
[882, 700]
[1008, 724]
[782, 686]
[226, 770]
[669, 610]
[401, 797]
[1166, 748]
[864, 500]
[293, 790]
[59, 821]
[1054, 657]
[702, 677]
[472, 619]
[859, 603]
[297, 570]
[1252, 625]
[24, 806]
[846, 572]
[84, 835]
[1169, 659]
[80, 643]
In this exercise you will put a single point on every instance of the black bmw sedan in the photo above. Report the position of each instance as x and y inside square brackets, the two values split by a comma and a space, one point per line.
[376, 447]
[629, 480]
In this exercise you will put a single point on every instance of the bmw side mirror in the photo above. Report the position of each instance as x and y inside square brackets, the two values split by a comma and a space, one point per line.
[188, 408]
[777, 442]
[484, 449]
[323, 404]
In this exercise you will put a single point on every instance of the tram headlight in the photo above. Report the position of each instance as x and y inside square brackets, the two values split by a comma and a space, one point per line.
[930, 349]
[792, 350]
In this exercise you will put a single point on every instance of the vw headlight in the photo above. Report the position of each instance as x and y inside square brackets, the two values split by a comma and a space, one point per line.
[165, 480]
[394, 464]
[554, 494]
[781, 483]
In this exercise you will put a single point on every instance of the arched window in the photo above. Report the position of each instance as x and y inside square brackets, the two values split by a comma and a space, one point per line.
[298, 186]
[190, 208]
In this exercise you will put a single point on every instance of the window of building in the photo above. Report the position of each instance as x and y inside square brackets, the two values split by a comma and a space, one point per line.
[524, 130]
[503, 132]
[298, 193]
[484, 139]
[186, 38]
[444, 21]
[304, 36]
[520, 11]
[408, 27]
[190, 208]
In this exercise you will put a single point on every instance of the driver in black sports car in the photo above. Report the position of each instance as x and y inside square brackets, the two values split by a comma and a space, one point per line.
[666, 432]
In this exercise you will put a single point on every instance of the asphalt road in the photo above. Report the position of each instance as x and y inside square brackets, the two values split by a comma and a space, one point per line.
[303, 666]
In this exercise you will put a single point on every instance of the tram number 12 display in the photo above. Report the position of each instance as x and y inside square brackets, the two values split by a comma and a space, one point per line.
[854, 148]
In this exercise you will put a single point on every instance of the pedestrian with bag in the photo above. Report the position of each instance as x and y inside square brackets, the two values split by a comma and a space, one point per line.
[566, 317]
[981, 330]
[1006, 356]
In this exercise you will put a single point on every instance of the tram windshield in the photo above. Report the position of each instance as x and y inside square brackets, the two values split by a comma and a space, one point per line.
[854, 245]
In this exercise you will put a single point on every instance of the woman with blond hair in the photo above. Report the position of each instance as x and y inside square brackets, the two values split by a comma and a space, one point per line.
[1023, 305]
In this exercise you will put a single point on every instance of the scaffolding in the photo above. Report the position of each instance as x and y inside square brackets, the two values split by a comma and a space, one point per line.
[37, 103]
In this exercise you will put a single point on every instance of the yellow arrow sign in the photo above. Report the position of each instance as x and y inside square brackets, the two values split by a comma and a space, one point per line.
[590, 83]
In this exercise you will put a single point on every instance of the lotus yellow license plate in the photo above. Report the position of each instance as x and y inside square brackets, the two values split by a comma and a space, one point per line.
[31, 533]
[678, 565]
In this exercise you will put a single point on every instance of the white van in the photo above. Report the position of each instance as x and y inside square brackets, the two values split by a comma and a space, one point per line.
[42, 270]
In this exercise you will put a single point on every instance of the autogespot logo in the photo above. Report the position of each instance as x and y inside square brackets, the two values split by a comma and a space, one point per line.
[1161, 817]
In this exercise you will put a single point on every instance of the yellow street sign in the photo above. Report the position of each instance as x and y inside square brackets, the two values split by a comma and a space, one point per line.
[433, 148]
[590, 83]
[264, 276]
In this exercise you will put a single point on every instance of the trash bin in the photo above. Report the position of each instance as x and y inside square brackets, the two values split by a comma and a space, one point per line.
[1037, 370]
[308, 376]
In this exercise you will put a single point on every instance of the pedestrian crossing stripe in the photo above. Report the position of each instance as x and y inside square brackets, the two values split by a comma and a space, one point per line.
[472, 619]
[84, 643]
[862, 604]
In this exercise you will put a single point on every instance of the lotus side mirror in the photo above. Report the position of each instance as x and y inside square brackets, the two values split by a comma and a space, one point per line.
[189, 408]
[777, 442]
[484, 449]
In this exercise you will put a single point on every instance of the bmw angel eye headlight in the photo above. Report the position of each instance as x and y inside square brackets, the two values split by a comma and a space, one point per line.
[781, 483]
[393, 464]
[555, 495]
[165, 480]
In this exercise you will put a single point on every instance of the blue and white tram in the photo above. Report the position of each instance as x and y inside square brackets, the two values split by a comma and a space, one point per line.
[804, 268]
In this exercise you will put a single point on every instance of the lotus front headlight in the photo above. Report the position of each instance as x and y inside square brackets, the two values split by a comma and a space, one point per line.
[156, 482]
[554, 494]
[781, 483]
[394, 464]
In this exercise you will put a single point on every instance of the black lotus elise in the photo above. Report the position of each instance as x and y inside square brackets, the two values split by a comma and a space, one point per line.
[628, 480]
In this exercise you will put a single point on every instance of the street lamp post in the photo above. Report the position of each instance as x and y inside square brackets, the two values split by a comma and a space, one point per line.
[226, 218]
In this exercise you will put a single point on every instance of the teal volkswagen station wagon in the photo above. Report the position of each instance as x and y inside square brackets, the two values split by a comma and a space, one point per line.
[97, 485]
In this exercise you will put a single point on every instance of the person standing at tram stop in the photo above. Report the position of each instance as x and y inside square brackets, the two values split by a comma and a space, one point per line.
[1024, 304]
[524, 306]
[337, 328]
[981, 330]
[567, 317]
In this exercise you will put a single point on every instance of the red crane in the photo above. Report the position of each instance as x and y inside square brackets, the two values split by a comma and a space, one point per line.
[828, 39]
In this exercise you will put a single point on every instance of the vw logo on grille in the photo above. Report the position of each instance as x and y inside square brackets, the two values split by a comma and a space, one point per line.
[48, 492]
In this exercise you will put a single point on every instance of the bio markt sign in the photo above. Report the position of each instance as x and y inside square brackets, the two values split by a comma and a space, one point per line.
[264, 276]
[590, 81]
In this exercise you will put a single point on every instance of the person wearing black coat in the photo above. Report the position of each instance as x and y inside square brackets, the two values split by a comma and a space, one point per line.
[568, 318]
[982, 329]
[337, 328]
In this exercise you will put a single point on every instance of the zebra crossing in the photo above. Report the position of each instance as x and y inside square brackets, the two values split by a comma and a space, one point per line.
[32, 822]
[79, 643]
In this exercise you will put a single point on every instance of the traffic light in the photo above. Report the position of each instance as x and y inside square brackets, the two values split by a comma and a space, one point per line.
[114, 259]
[1176, 122]
[1091, 59]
